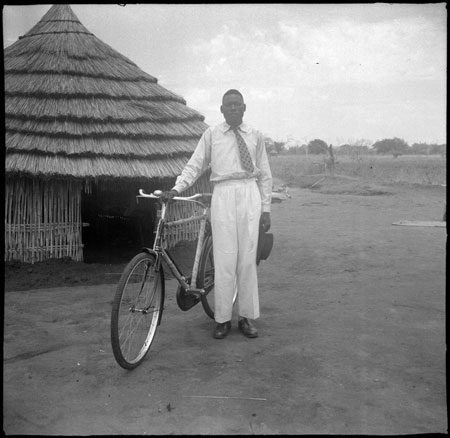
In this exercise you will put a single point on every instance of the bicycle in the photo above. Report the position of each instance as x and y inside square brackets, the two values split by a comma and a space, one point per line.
[139, 299]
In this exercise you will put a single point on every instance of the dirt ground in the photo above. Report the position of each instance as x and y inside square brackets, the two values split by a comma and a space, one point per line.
[352, 334]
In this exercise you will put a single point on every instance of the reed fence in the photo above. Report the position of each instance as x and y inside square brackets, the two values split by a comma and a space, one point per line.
[42, 219]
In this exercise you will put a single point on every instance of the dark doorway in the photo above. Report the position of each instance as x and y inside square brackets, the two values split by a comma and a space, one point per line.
[115, 226]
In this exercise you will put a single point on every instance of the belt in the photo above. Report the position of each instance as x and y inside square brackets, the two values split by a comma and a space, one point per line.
[234, 180]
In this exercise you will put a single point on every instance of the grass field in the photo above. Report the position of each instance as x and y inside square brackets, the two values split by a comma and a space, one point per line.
[410, 169]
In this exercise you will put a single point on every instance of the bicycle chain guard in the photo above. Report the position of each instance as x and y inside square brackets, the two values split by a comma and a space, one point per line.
[185, 300]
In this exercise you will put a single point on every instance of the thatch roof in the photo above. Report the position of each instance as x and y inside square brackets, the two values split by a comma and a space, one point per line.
[75, 107]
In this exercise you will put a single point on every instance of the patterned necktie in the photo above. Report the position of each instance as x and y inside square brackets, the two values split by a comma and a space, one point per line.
[243, 152]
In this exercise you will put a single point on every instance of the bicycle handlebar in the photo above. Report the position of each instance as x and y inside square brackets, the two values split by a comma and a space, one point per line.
[157, 194]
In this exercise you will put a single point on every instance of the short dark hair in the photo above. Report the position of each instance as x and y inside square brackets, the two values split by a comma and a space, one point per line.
[233, 91]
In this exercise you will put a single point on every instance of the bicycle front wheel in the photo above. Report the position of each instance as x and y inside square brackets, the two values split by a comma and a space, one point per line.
[136, 311]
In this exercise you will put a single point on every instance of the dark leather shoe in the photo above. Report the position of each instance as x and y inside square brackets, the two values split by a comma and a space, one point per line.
[222, 329]
[247, 328]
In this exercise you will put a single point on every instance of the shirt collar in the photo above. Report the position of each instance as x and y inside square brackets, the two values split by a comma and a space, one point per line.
[242, 127]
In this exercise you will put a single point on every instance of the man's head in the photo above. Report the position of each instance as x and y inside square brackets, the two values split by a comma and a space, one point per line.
[233, 107]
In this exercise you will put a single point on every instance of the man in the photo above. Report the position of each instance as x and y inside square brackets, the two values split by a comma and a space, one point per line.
[241, 200]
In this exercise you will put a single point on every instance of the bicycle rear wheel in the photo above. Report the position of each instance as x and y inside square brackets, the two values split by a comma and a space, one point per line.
[137, 309]
[205, 277]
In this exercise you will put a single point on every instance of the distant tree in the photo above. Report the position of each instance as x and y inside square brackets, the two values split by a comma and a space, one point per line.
[395, 146]
[438, 149]
[350, 149]
[359, 142]
[278, 146]
[364, 150]
[268, 140]
[317, 146]
[420, 149]
[291, 146]
[269, 144]
[297, 149]
[427, 149]
[344, 149]
[303, 149]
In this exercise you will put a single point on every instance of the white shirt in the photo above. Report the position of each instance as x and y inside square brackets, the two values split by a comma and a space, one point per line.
[218, 148]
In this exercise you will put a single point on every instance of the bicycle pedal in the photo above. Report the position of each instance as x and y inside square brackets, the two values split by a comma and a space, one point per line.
[196, 292]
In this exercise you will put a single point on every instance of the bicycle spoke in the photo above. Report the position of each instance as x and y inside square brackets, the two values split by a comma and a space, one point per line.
[144, 279]
[153, 293]
[129, 339]
[130, 332]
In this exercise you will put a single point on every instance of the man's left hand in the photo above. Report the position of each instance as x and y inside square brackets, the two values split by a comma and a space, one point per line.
[265, 221]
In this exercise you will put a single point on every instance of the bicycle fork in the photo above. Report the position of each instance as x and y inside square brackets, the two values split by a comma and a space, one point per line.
[149, 271]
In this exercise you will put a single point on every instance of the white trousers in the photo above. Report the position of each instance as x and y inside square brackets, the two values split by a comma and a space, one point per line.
[235, 215]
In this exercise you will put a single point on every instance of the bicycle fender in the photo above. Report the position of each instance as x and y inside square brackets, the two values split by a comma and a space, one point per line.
[150, 251]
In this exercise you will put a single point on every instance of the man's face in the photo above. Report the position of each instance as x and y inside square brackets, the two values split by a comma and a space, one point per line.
[233, 109]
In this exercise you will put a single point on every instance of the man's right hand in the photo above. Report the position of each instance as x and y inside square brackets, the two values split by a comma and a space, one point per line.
[168, 195]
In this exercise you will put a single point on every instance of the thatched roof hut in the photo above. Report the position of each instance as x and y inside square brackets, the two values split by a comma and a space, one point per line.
[79, 116]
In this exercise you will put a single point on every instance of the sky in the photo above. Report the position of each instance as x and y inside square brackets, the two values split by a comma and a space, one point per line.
[342, 73]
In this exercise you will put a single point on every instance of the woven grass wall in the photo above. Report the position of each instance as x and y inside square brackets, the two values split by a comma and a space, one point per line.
[42, 219]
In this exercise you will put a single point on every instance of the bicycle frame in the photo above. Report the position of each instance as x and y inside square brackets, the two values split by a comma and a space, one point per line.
[158, 246]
